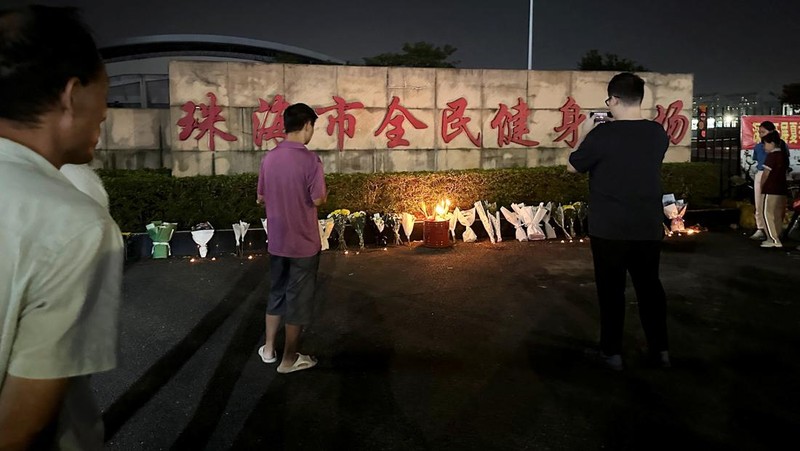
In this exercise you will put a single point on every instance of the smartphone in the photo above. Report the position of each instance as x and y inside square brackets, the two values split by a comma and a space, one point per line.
[601, 116]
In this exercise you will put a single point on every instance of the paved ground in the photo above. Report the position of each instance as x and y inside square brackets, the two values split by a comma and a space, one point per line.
[478, 347]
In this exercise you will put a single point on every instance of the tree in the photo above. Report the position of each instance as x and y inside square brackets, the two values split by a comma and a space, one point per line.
[418, 54]
[593, 60]
[791, 94]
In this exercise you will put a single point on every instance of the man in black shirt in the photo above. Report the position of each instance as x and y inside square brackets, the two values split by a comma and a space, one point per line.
[623, 158]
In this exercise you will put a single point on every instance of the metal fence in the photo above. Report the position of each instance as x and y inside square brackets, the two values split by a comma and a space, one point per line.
[722, 146]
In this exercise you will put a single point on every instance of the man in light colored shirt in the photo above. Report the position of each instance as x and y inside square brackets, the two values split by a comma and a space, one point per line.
[61, 265]
[87, 181]
[291, 184]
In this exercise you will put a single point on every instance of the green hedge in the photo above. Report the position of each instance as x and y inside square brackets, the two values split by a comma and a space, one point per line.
[138, 197]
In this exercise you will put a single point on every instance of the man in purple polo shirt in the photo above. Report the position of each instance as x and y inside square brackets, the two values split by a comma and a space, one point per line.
[291, 184]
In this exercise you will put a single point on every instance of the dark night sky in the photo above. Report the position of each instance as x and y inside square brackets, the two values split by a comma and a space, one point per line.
[732, 46]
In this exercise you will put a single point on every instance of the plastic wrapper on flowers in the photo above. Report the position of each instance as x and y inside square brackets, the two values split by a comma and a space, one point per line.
[161, 233]
[359, 221]
[264, 225]
[340, 219]
[674, 211]
[525, 215]
[201, 234]
[558, 218]
[394, 222]
[570, 216]
[514, 219]
[549, 231]
[325, 230]
[495, 220]
[453, 219]
[380, 226]
[239, 231]
[535, 232]
[408, 221]
[467, 218]
[487, 224]
[582, 213]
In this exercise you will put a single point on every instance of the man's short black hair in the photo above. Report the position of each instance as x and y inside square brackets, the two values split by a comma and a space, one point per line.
[296, 116]
[41, 49]
[627, 87]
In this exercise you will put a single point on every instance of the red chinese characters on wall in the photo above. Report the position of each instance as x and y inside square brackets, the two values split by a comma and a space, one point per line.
[210, 114]
[571, 119]
[395, 116]
[271, 126]
[675, 123]
[511, 122]
[341, 122]
[454, 122]
[512, 127]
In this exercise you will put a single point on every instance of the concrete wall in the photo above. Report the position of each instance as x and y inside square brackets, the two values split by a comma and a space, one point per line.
[424, 92]
[134, 139]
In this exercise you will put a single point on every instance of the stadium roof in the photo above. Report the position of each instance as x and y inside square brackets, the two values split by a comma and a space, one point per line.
[210, 45]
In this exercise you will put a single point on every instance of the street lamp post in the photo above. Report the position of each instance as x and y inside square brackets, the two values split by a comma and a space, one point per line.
[530, 37]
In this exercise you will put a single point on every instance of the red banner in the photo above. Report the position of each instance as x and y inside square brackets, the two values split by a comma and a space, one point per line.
[787, 126]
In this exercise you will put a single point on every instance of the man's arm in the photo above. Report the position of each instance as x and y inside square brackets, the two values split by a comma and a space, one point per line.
[27, 407]
[260, 199]
[317, 189]
[587, 126]
[321, 201]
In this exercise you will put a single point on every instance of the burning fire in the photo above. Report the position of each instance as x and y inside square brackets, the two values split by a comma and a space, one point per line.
[688, 231]
[440, 211]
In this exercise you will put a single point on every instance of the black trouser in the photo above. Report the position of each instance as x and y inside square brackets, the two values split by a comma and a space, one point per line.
[612, 260]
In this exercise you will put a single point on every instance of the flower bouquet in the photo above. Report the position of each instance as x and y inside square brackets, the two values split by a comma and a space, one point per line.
[394, 221]
[239, 231]
[514, 219]
[467, 218]
[160, 233]
[340, 219]
[480, 209]
[380, 225]
[201, 234]
[359, 221]
[561, 219]
[549, 231]
[325, 230]
[408, 221]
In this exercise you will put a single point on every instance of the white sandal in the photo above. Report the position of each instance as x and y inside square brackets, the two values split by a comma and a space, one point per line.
[265, 359]
[303, 362]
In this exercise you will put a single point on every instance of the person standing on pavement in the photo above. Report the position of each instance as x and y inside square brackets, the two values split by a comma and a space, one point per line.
[291, 185]
[623, 158]
[62, 253]
[759, 156]
[775, 188]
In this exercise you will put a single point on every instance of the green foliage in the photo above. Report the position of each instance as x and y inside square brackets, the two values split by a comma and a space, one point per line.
[593, 60]
[418, 54]
[138, 197]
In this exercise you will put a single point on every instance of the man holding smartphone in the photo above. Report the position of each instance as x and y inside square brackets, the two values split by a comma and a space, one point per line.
[623, 158]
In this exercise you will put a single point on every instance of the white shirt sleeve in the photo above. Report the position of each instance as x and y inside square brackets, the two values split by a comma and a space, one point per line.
[87, 181]
[68, 321]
